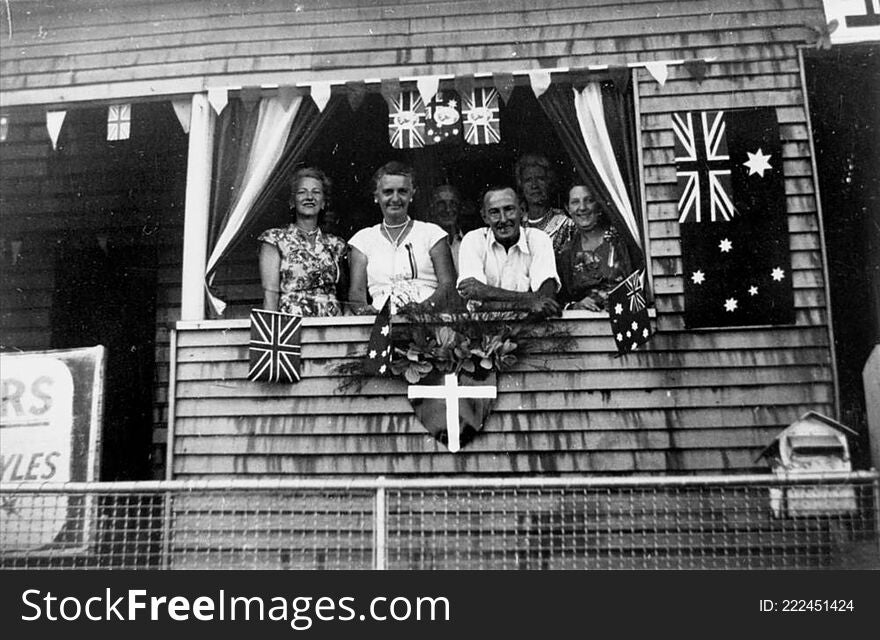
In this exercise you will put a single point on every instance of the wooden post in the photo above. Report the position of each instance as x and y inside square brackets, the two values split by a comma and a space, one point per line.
[198, 203]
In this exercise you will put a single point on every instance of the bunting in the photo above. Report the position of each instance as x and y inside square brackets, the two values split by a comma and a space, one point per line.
[119, 122]
[320, 92]
[443, 118]
[54, 120]
[406, 120]
[218, 98]
[481, 116]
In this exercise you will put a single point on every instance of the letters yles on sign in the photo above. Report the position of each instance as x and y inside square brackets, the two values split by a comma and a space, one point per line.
[48, 434]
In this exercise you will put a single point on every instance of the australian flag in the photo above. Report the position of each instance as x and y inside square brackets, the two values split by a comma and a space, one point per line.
[731, 210]
[482, 124]
[274, 349]
[378, 358]
[443, 118]
[628, 312]
[406, 120]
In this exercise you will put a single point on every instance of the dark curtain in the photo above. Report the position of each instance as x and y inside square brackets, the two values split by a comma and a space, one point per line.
[558, 104]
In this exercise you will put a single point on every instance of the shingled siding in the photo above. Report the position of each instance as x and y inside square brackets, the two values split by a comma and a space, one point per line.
[693, 400]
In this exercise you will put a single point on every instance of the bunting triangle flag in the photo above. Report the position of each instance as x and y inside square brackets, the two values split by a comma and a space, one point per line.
[428, 87]
[659, 71]
[4, 128]
[286, 94]
[481, 116]
[443, 118]
[621, 77]
[697, 69]
[250, 96]
[504, 83]
[320, 92]
[183, 111]
[218, 98]
[406, 120]
[540, 81]
[464, 84]
[357, 91]
[54, 120]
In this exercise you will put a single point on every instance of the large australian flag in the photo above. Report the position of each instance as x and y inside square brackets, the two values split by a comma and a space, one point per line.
[731, 212]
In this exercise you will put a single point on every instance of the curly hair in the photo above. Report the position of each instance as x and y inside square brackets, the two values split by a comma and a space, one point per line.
[317, 174]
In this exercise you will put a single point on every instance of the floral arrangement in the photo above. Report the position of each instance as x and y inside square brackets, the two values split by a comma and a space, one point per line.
[475, 344]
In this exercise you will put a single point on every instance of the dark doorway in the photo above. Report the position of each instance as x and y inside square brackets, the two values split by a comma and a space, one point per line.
[117, 197]
[844, 94]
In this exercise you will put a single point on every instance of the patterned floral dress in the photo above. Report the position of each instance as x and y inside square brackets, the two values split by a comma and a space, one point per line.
[593, 273]
[308, 274]
[557, 224]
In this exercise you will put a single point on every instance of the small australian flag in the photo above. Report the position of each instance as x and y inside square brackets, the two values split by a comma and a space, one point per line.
[628, 312]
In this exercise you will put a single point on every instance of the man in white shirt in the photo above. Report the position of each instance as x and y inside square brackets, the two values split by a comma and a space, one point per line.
[506, 265]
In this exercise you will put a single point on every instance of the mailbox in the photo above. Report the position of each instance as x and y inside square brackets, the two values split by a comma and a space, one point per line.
[812, 444]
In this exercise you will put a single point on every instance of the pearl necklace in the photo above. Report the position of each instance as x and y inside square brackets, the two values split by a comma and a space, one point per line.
[308, 234]
[402, 226]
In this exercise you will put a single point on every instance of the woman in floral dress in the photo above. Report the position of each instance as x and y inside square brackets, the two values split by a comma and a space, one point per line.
[300, 265]
[595, 259]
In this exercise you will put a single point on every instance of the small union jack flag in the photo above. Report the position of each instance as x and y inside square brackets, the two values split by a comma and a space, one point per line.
[119, 122]
[628, 312]
[481, 120]
[702, 166]
[274, 348]
[406, 120]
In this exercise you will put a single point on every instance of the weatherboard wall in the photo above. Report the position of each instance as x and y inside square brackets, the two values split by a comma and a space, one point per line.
[693, 400]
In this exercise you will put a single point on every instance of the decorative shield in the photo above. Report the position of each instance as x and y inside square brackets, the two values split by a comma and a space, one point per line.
[451, 409]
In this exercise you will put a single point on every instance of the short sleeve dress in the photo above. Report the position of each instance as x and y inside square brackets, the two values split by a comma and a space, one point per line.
[309, 275]
[405, 271]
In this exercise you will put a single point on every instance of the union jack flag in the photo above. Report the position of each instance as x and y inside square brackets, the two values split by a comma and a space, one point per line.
[406, 120]
[628, 313]
[481, 121]
[702, 166]
[274, 347]
[119, 122]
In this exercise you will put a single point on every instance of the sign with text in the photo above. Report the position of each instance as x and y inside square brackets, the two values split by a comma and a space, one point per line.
[50, 412]
[857, 20]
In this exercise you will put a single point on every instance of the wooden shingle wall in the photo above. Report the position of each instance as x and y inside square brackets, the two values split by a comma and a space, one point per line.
[694, 400]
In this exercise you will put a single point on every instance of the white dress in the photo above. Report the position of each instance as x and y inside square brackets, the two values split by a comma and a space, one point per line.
[404, 272]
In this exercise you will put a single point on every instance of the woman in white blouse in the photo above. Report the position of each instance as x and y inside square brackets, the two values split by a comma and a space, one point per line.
[401, 258]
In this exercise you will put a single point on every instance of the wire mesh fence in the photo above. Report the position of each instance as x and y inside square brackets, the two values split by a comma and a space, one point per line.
[732, 522]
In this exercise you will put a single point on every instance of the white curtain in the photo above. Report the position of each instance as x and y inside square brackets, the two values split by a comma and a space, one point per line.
[273, 126]
[591, 118]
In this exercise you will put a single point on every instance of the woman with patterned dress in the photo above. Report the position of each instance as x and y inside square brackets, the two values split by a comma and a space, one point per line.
[300, 265]
[534, 179]
[595, 259]
[400, 258]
